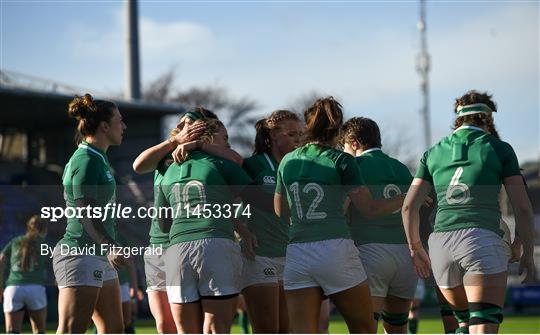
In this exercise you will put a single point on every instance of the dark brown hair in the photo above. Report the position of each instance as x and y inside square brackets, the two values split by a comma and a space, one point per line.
[365, 131]
[480, 119]
[28, 252]
[323, 120]
[90, 113]
[264, 126]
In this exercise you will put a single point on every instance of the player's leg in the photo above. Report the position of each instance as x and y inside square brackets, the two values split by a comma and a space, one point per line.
[304, 307]
[377, 304]
[242, 313]
[485, 260]
[218, 313]
[126, 316]
[188, 317]
[448, 273]
[284, 326]
[13, 308]
[450, 323]
[324, 318]
[154, 269]
[414, 315]
[354, 304]
[38, 320]
[457, 298]
[161, 311]
[395, 314]
[36, 305]
[219, 267]
[75, 308]
[107, 314]
[262, 301]
[260, 277]
[485, 294]
[14, 321]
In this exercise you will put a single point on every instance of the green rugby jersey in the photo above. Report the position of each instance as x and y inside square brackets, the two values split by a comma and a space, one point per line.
[467, 169]
[317, 180]
[201, 180]
[385, 177]
[157, 237]
[36, 273]
[270, 230]
[88, 175]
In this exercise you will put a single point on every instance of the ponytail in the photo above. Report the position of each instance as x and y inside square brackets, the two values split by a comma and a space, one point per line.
[28, 249]
[324, 119]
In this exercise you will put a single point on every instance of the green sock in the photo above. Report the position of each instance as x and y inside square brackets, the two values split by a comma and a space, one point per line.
[413, 326]
[243, 321]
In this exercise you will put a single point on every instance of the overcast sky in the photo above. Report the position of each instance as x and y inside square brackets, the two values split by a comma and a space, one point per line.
[363, 53]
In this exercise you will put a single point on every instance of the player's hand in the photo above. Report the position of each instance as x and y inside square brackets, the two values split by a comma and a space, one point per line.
[249, 240]
[190, 133]
[117, 259]
[421, 262]
[132, 292]
[140, 294]
[517, 249]
[182, 151]
[526, 264]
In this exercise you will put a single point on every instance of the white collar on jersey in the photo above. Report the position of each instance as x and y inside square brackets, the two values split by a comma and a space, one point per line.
[470, 127]
[269, 161]
[89, 148]
[369, 150]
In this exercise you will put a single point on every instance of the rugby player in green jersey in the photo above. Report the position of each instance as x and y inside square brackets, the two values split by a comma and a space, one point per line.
[27, 274]
[157, 159]
[321, 258]
[88, 282]
[467, 254]
[262, 276]
[203, 262]
[381, 242]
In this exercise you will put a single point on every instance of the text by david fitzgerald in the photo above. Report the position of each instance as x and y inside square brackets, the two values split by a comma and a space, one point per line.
[100, 249]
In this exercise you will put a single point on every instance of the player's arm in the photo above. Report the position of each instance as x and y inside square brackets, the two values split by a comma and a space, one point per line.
[249, 239]
[410, 212]
[133, 281]
[3, 260]
[281, 207]
[373, 208]
[182, 151]
[93, 226]
[519, 199]
[149, 159]
[164, 221]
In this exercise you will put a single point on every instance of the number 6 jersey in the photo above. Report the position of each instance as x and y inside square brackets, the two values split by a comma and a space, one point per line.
[467, 169]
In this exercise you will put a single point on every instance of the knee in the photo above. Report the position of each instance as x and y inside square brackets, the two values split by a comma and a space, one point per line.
[395, 319]
[484, 313]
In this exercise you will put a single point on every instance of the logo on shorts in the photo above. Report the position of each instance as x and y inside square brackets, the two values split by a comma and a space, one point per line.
[98, 275]
[269, 272]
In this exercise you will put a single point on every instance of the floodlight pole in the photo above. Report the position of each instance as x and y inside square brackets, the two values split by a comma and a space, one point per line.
[133, 82]
[423, 66]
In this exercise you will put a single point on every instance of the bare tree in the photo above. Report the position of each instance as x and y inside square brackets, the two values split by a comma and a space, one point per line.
[238, 114]
[160, 89]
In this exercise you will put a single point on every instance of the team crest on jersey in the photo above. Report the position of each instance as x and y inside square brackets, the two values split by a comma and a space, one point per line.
[269, 180]
[109, 175]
